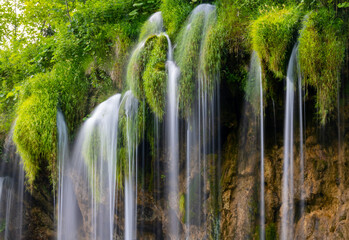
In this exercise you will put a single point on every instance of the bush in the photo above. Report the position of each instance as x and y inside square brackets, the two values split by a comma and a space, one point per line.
[321, 54]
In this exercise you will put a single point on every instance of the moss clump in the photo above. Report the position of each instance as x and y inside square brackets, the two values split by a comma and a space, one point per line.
[35, 129]
[155, 76]
[321, 54]
[174, 13]
[187, 56]
[182, 206]
[273, 35]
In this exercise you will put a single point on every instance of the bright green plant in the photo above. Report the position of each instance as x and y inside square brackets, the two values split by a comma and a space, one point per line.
[175, 13]
[321, 54]
[155, 77]
[35, 128]
[273, 35]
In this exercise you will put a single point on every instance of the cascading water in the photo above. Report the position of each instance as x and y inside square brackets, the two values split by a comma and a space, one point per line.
[301, 148]
[94, 168]
[103, 158]
[255, 86]
[172, 141]
[202, 126]
[11, 192]
[287, 211]
[131, 108]
[67, 204]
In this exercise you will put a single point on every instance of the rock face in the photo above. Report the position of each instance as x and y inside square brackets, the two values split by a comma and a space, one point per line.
[326, 184]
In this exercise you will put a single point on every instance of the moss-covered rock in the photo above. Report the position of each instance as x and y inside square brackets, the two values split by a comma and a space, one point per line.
[321, 54]
[155, 77]
[273, 35]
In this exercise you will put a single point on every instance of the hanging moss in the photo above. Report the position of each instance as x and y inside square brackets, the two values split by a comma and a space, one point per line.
[155, 77]
[187, 56]
[273, 35]
[35, 128]
[321, 54]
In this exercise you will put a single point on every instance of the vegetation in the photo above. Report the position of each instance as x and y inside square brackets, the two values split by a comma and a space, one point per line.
[321, 54]
[174, 13]
[73, 55]
[273, 35]
[68, 56]
[155, 77]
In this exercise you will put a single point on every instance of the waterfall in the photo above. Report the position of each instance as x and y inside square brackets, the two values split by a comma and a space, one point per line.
[202, 127]
[11, 192]
[172, 141]
[102, 162]
[287, 211]
[262, 210]
[253, 89]
[131, 108]
[67, 203]
[301, 148]
[87, 186]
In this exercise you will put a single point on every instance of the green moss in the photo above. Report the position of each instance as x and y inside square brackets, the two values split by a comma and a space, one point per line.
[182, 206]
[273, 35]
[187, 55]
[321, 54]
[271, 232]
[174, 13]
[155, 77]
[35, 128]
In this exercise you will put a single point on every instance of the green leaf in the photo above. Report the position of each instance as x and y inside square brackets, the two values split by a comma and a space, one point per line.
[343, 5]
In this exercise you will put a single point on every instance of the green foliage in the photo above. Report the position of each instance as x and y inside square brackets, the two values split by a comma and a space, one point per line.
[343, 5]
[174, 13]
[155, 77]
[182, 206]
[271, 232]
[35, 129]
[321, 54]
[273, 35]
